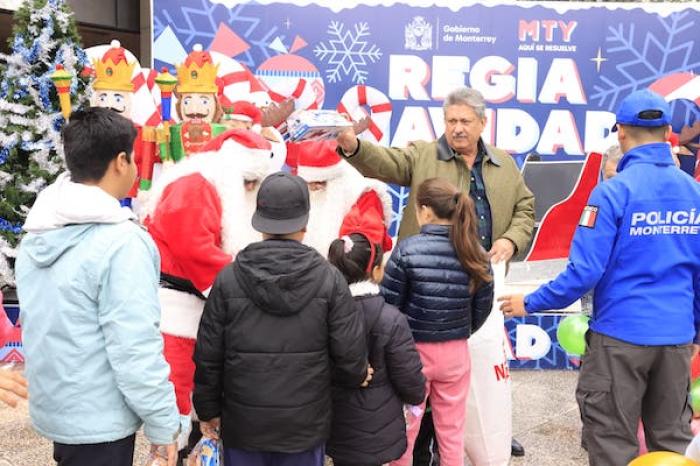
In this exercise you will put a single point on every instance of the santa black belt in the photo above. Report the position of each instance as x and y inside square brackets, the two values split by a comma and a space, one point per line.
[171, 282]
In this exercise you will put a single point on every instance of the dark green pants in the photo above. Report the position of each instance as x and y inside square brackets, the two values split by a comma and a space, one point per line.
[620, 383]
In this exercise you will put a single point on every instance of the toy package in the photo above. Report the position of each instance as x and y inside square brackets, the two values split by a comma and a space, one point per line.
[315, 125]
[207, 452]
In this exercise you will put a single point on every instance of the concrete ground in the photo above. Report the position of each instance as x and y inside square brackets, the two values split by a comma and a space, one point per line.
[545, 421]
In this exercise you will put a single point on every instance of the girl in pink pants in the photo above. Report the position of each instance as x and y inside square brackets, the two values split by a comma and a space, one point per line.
[441, 280]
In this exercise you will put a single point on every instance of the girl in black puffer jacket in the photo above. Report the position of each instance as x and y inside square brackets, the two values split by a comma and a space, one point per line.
[368, 427]
[441, 280]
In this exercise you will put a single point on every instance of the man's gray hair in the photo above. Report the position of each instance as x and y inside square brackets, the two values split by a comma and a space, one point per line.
[613, 153]
[469, 97]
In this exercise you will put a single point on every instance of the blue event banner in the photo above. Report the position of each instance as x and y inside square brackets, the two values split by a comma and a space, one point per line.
[551, 72]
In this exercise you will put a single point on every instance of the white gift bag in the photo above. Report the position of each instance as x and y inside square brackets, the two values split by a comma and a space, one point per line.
[489, 425]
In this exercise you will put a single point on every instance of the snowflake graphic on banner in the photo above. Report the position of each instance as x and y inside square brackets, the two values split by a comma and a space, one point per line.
[348, 52]
[642, 58]
[399, 196]
[198, 22]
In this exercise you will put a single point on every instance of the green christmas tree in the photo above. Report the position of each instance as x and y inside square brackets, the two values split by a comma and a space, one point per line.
[31, 156]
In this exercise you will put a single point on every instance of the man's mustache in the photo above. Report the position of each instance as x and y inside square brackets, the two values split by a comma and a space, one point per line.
[197, 115]
[118, 110]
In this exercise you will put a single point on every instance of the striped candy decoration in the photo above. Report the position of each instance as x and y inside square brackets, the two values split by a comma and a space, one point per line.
[678, 86]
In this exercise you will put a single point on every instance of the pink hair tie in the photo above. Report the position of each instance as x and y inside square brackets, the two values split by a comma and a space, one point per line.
[348, 244]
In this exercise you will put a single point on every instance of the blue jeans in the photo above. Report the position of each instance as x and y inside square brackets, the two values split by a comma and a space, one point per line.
[237, 457]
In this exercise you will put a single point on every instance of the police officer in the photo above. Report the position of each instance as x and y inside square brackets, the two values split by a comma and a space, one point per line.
[638, 246]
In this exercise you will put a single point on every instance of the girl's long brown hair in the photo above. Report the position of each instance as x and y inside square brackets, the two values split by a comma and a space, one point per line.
[449, 203]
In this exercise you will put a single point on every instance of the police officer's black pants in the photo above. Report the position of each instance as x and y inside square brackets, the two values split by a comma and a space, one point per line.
[620, 383]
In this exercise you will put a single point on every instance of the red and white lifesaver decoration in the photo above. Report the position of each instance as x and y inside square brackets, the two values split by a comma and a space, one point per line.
[353, 103]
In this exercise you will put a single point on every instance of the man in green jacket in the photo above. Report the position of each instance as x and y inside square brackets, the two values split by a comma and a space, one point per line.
[461, 157]
[505, 207]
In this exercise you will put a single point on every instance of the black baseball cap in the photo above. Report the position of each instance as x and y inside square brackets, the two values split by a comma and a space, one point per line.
[282, 205]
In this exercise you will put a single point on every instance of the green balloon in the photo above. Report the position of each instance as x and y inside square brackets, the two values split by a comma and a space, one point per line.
[695, 396]
[571, 334]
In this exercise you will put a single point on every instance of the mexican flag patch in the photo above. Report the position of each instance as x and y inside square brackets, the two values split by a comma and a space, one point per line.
[589, 216]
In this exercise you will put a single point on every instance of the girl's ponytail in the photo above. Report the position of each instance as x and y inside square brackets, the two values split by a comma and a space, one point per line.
[466, 241]
[450, 204]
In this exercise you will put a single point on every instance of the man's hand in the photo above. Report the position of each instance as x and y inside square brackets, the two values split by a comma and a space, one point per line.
[170, 451]
[502, 250]
[368, 379]
[210, 428]
[696, 350]
[347, 140]
[13, 387]
[275, 114]
[513, 305]
[361, 125]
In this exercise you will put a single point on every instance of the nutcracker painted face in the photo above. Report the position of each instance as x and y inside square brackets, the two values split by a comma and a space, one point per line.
[197, 88]
[196, 105]
[119, 101]
[113, 87]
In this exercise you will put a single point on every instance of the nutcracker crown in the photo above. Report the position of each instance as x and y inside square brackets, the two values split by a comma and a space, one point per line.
[197, 74]
[113, 72]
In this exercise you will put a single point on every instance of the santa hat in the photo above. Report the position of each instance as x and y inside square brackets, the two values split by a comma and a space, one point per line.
[253, 150]
[242, 110]
[317, 160]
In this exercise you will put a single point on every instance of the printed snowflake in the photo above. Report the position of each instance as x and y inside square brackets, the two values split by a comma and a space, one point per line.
[644, 58]
[348, 52]
[399, 196]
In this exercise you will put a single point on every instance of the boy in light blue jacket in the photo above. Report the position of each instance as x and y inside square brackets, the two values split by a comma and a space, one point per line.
[87, 281]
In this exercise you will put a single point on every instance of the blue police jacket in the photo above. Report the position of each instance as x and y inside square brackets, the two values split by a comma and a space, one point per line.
[638, 246]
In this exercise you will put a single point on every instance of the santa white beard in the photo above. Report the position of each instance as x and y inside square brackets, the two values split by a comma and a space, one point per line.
[237, 231]
[330, 206]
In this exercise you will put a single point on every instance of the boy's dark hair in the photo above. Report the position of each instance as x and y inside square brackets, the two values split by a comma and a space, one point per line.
[354, 265]
[92, 139]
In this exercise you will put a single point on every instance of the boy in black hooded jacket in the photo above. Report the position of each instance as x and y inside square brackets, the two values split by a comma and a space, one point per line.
[277, 322]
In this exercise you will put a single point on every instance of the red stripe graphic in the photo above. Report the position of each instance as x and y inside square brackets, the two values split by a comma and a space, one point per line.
[138, 81]
[235, 77]
[374, 129]
[362, 94]
[379, 108]
[300, 88]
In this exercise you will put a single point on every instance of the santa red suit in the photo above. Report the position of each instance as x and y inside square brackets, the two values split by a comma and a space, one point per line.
[346, 197]
[198, 214]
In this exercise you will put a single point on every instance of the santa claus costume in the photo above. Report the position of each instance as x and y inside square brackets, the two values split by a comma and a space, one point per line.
[338, 193]
[199, 214]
